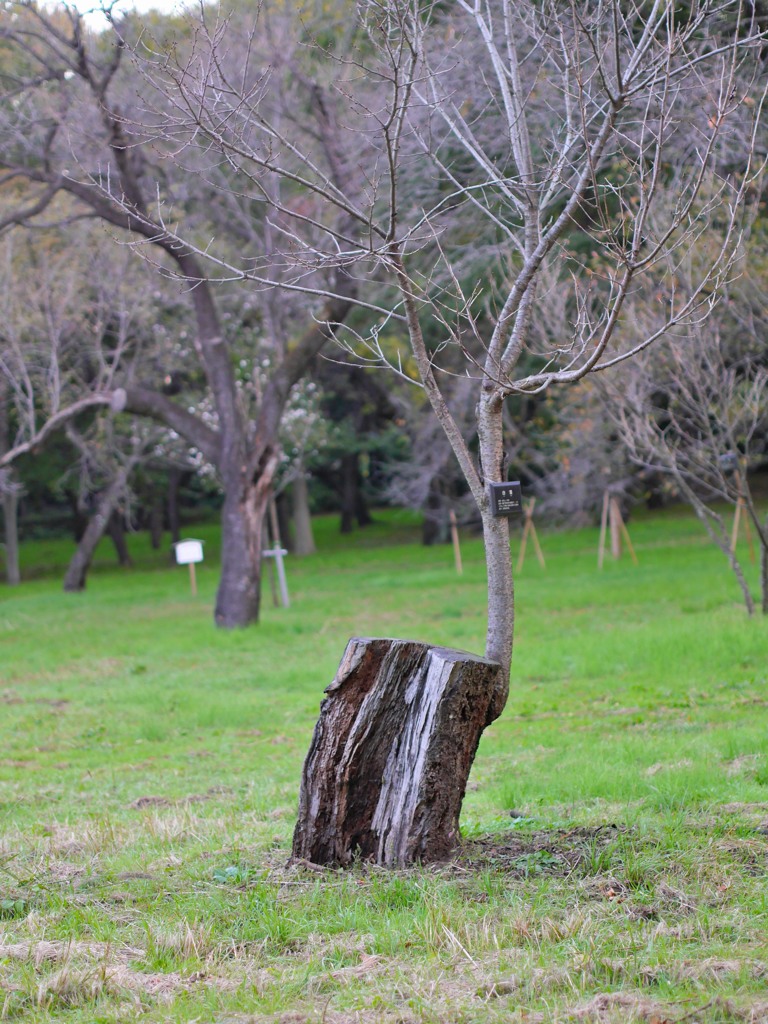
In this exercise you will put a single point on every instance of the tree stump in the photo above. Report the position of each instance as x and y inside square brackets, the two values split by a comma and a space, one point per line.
[388, 765]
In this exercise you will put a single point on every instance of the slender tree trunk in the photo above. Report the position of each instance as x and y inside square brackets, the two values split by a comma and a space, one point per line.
[362, 512]
[348, 491]
[10, 500]
[501, 597]
[11, 534]
[302, 520]
[156, 521]
[77, 570]
[713, 524]
[116, 530]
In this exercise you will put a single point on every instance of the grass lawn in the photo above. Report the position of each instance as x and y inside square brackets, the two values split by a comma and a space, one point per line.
[616, 825]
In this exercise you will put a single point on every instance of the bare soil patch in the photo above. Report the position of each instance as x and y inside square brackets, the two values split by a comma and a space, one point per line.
[555, 851]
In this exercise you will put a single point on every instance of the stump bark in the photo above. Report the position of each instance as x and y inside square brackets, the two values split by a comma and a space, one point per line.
[388, 765]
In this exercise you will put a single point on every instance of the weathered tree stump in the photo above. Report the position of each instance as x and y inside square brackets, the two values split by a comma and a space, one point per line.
[388, 765]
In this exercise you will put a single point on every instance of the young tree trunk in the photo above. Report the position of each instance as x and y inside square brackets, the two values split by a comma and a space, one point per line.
[10, 499]
[348, 491]
[713, 524]
[302, 520]
[764, 571]
[11, 534]
[390, 757]
[498, 561]
[77, 570]
[362, 512]
[116, 530]
[156, 522]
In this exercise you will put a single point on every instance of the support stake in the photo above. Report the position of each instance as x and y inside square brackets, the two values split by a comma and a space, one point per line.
[529, 529]
[455, 539]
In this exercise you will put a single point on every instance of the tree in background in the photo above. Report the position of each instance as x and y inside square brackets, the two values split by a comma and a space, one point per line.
[697, 412]
[70, 127]
[73, 326]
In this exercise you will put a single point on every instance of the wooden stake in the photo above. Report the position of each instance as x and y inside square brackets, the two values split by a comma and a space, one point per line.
[270, 529]
[275, 556]
[272, 581]
[524, 541]
[615, 520]
[741, 504]
[735, 530]
[193, 579]
[529, 528]
[273, 522]
[537, 546]
[625, 532]
[455, 539]
[603, 527]
[748, 532]
[612, 516]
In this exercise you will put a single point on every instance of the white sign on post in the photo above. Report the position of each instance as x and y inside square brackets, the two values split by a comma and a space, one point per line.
[187, 553]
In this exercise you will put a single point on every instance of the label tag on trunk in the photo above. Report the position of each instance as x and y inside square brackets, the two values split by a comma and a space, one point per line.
[506, 498]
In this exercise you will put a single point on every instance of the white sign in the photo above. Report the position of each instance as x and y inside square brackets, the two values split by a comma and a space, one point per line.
[189, 551]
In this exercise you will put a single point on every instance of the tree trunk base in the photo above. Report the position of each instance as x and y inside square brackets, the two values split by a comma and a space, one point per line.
[388, 765]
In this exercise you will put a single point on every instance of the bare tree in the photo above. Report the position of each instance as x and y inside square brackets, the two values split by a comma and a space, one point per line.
[698, 413]
[69, 128]
[72, 327]
[105, 466]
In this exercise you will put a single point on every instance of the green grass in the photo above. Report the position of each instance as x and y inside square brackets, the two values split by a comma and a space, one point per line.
[616, 822]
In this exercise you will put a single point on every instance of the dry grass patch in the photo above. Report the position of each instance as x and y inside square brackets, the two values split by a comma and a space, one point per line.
[621, 1008]
[40, 953]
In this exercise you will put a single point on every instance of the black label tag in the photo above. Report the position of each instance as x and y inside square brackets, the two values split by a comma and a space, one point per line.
[506, 498]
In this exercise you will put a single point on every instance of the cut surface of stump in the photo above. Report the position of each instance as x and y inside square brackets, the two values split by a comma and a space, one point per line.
[388, 765]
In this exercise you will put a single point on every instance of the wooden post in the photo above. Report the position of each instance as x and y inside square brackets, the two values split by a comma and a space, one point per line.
[625, 533]
[274, 523]
[193, 579]
[455, 539]
[612, 516]
[742, 505]
[748, 532]
[272, 581]
[529, 528]
[603, 527]
[735, 529]
[273, 540]
[615, 518]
